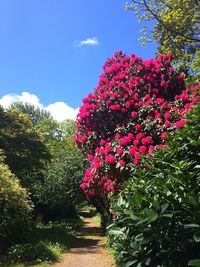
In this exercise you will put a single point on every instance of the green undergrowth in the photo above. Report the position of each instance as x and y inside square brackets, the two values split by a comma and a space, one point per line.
[43, 244]
[97, 219]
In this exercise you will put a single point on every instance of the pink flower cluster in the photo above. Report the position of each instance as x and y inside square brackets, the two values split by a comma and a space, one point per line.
[127, 116]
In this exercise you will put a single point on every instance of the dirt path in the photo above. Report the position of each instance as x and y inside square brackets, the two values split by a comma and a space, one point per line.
[88, 249]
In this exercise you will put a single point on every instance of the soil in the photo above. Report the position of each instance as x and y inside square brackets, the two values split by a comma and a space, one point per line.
[88, 250]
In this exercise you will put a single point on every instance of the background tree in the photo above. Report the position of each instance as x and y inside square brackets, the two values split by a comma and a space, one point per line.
[56, 194]
[15, 207]
[60, 191]
[176, 29]
[24, 147]
[43, 122]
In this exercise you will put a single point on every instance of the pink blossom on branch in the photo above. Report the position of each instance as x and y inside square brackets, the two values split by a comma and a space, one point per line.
[128, 116]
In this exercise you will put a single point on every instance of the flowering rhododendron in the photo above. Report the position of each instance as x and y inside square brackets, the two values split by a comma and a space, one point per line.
[128, 116]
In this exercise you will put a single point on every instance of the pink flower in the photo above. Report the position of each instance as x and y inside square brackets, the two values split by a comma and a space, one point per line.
[121, 163]
[167, 124]
[164, 135]
[136, 161]
[117, 136]
[144, 142]
[90, 157]
[110, 159]
[102, 142]
[138, 127]
[119, 151]
[151, 149]
[83, 186]
[147, 96]
[97, 166]
[143, 149]
[130, 136]
[134, 115]
[107, 149]
[104, 178]
[149, 139]
[131, 151]
[180, 124]
[139, 135]
[137, 155]
[136, 142]
[158, 116]
[167, 116]
[136, 96]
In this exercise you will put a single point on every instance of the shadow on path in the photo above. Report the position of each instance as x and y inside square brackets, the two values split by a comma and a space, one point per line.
[89, 247]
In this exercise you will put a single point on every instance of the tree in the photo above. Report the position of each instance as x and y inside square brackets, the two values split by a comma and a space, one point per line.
[43, 122]
[36, 114]
[60, 190]
[176, 28]
[25, 151]
[127, 116]
[15, 206]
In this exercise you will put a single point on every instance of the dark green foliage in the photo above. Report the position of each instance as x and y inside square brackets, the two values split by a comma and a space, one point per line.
[36, 114]
[54, 186]
[158, 213]
[25, 151]
[15, 208]
[45, 243]
[60, 190]
[32, 253]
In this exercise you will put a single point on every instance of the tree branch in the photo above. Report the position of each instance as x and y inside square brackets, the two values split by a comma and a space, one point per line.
[167, 27]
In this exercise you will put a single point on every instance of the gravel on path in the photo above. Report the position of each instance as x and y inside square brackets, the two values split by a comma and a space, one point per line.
[88, 250]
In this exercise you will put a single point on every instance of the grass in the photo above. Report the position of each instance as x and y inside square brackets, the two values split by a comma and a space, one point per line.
[43, 244]
[97, 219]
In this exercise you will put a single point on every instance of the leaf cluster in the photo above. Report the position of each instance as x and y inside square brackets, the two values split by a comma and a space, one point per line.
[157, 215]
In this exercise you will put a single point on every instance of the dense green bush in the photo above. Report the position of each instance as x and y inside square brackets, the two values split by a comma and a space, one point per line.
[45, 242]
[34, 253]
[157, 215]
[15, 207]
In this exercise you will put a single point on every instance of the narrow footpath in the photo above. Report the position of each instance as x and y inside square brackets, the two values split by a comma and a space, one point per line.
[88, 250]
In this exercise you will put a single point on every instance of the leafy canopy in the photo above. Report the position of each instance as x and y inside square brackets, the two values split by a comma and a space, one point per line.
[176, 28]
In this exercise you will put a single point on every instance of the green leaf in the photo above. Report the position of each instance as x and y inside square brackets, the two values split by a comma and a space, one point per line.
[164, 207]
[195, 263]
[129, 263]
[191, 225]
[116, 232]
[153, 217]
[196, 236]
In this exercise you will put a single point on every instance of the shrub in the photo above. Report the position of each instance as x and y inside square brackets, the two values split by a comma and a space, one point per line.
[15, 207]
[127, 116]
[34, 253]
[157, 215]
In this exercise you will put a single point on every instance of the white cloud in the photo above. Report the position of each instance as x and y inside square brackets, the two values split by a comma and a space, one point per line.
[25, 97]
[89, 41]
[59, 110]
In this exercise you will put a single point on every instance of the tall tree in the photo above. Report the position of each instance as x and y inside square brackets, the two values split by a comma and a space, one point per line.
[25, 151]
[176, 28]
[43, 122]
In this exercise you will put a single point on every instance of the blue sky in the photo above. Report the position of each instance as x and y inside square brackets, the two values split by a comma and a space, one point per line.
[41, 51]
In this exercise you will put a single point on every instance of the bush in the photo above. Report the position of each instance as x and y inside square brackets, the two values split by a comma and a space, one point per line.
[45, 242]
[15, 208]
[157, 215]
[128, 115]
[34, 253]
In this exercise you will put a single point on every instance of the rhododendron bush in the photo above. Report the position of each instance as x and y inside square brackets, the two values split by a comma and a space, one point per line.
[128, 115]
